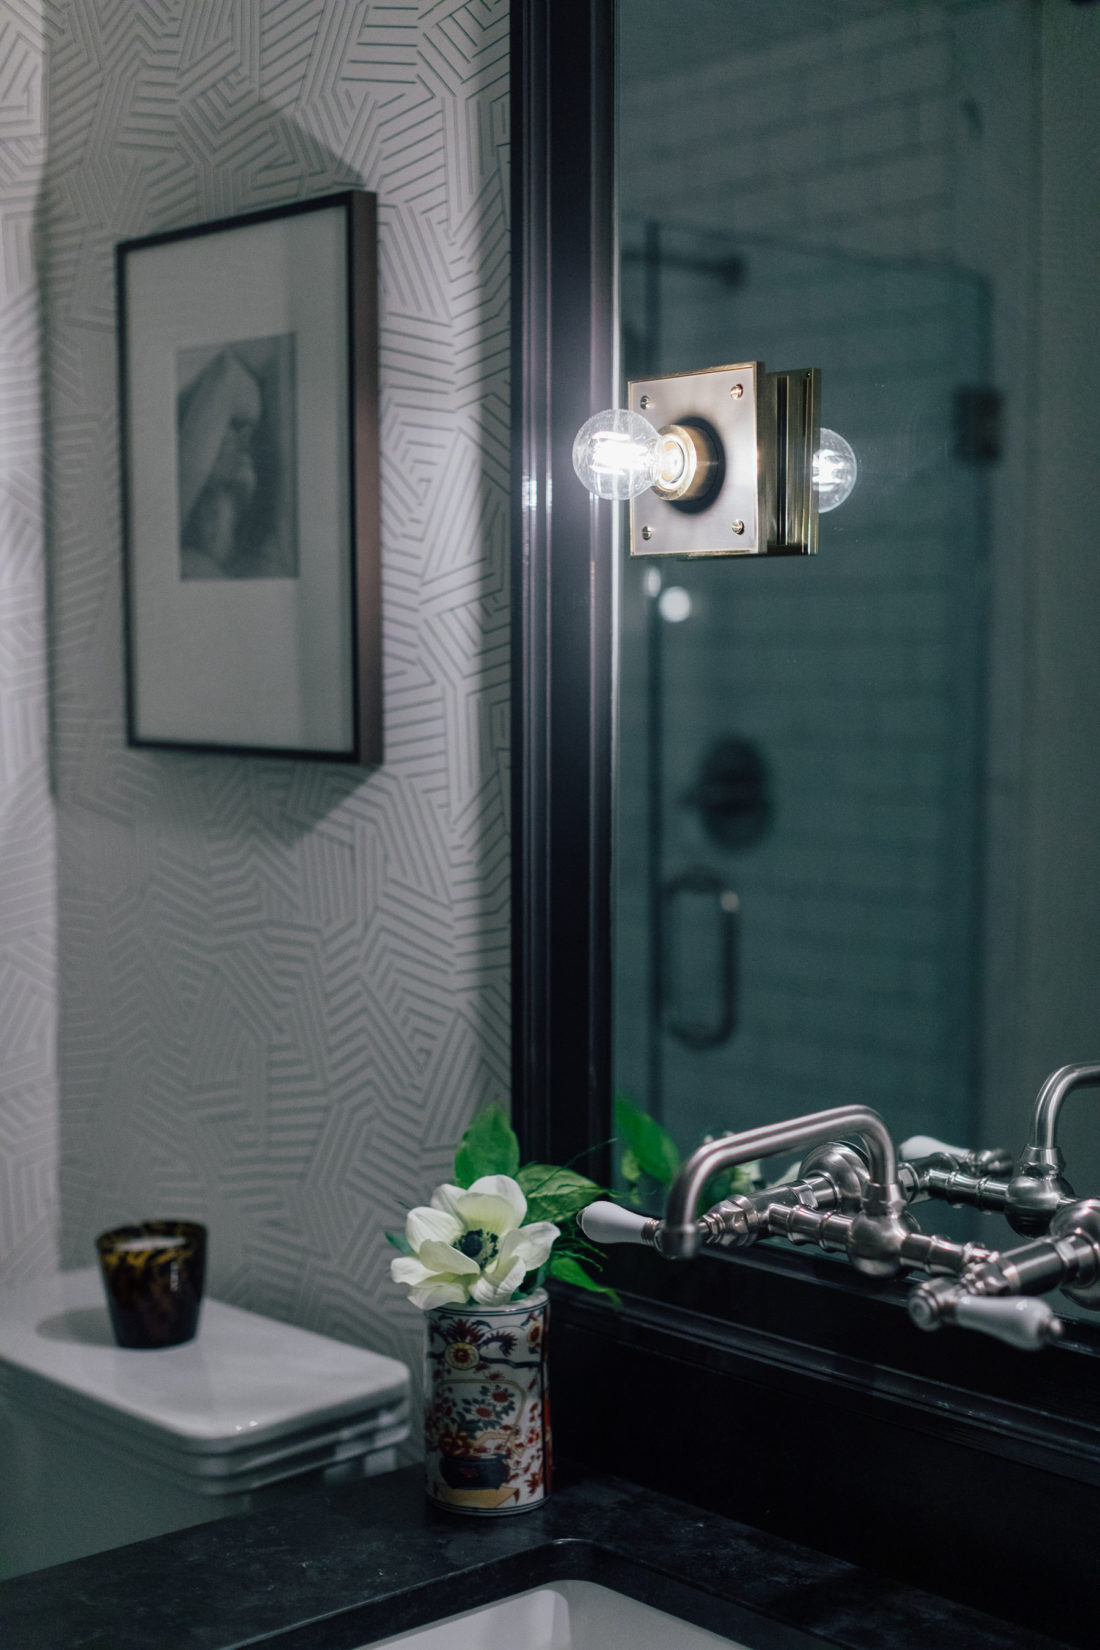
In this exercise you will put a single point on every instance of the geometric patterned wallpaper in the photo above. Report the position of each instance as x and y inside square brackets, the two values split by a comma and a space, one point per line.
[28, 898]
[284, 986]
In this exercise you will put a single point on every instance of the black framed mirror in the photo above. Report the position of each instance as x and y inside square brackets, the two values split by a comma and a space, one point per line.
[804, 1374]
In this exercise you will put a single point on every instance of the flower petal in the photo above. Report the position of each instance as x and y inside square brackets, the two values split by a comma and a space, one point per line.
[431, 1226]
[495, 1291]
[446, 1197]
[485, 1212]
[443, 1261]
[406, 1269]
[444, 1293]
[502, 1185]
[531, 1243]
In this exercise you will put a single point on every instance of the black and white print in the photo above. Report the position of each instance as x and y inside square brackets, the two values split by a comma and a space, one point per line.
[236, 460]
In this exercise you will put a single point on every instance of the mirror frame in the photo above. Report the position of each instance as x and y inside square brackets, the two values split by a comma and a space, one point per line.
[563, 320]
[1018, 1433]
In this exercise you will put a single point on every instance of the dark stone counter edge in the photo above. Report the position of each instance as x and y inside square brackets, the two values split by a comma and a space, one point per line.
[337, 1569]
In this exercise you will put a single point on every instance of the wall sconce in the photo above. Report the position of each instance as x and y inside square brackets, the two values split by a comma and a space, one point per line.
[739, 465]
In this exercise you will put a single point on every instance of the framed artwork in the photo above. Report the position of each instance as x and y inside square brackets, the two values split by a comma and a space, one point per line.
[248, 375]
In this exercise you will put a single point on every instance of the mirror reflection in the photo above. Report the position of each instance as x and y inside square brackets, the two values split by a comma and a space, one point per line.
[856, 849]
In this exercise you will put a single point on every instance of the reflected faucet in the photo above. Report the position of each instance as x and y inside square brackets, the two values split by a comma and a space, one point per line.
[854, 1199]
[1039, 1188]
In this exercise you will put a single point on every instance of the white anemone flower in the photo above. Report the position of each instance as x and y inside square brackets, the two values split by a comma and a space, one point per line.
[472, 1245]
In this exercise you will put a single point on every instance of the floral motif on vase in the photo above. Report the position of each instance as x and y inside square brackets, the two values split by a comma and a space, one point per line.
[487, 1417]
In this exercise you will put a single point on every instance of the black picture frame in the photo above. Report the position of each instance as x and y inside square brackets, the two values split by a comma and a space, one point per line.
[249, 442]
[778, 1387]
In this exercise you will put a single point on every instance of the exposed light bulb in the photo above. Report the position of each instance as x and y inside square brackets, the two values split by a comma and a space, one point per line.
[617, 454]
[835, 471]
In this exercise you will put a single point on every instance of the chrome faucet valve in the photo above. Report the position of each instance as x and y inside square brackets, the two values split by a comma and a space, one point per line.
[941, 1177]
[739, 1220]
[1039, 1188]
[988, 1296]
[930, 1168]
[837, 1176]
[833, 1177]
[995, 1160]
[1080, 1222]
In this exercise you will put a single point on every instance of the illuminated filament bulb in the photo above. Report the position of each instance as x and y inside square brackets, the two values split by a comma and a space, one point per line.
[617, 454]
[835, 471]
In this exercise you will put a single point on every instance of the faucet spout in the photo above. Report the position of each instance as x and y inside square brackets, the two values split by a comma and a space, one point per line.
[1044, 1131]
[1038, 1189]
[679, 1230]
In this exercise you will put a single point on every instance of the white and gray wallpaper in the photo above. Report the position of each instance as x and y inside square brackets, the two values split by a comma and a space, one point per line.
[283, 986]
[28, 898]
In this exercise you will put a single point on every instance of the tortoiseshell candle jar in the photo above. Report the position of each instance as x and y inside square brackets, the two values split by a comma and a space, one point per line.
[153, 1273]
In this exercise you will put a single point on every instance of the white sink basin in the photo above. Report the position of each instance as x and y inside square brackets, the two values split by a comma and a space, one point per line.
[567, 1615]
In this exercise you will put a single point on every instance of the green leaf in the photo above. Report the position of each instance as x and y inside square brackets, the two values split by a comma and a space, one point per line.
[630, 1168]
[555, 1194]
[400, 1242]
[571, 1271]
[654, 1150]
[726, 1183]
[489, 1146]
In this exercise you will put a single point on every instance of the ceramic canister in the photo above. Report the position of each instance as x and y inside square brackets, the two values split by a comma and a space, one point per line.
[487, 1408]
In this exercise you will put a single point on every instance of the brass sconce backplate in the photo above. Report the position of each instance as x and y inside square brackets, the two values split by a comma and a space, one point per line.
[764, 428]
[728, 524]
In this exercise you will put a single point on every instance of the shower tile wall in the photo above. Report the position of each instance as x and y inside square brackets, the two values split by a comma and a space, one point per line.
[284, 985]
[843, 135]
[860, 674]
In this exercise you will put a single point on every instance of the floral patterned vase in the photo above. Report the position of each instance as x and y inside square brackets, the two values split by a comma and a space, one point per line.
[487, 1406]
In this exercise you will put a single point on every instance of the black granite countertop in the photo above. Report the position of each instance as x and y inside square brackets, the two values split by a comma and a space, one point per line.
[335, 1569]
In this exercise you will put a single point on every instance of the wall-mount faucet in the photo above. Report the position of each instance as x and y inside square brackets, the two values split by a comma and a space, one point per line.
[877, 1230]
[853, 1199]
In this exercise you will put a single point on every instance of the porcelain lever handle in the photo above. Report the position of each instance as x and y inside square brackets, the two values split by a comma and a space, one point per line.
[1020, 1320]
[605, 1222]
[1027, 1323]
[923, 1145]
